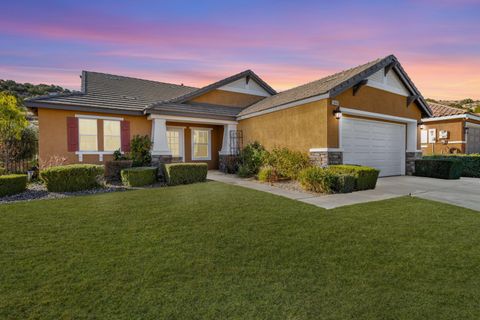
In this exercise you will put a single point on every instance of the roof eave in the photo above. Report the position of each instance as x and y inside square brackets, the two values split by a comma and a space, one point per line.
[72, 107]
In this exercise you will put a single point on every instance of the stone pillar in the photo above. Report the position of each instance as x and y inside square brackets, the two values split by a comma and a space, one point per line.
[226, 159]
[410, 158]
[323, 158]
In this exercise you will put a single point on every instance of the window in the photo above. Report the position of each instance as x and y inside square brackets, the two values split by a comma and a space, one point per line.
[424, 136]
[111, 135]
[201, 144]
[432, 135]
[175, 141]
[87, 134]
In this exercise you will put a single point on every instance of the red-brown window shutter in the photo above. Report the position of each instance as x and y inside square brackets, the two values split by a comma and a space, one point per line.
[72, 134]
[125, 136]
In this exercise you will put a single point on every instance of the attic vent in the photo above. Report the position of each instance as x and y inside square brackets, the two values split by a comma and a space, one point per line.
[129, 97]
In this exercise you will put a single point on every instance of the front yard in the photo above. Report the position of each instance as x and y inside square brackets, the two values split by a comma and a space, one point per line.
[217, 251]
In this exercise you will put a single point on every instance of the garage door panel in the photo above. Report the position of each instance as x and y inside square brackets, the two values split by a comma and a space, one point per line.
[376, 144]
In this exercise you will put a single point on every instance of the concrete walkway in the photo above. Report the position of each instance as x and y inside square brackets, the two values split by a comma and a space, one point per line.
[464, 192]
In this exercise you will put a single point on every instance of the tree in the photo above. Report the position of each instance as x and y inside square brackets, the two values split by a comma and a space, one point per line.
[12, 123]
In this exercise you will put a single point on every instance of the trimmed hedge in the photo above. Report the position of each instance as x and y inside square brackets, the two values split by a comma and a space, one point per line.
[71, 178]
[365, 177]
[185, 173]
[12, 184]
[139, 176]
[439, 168]
[471, 163]
[345, 183]
[113, 169]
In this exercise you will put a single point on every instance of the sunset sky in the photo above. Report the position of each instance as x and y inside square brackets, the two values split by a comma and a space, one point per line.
[286, 42]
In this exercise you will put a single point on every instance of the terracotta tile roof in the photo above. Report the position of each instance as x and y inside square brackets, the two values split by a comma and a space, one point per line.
[441, 110]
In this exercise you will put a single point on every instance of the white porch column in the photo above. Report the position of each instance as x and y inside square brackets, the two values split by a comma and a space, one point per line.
[159, 135]
[412, 137]
[226, 147]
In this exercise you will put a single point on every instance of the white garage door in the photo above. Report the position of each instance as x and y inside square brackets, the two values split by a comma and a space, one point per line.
[375, 144]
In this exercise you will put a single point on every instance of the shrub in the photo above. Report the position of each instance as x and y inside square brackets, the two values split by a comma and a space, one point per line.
[12, 184]
[113, 169]
[287, 163]
[140, 147]
[74, 177]
[317, 179]
[471, 163]
[267, 174]
[118, 155]
[251, 159]
[344, 183]
[185, 173]
[139, 176]
[3, 171]
[365, 177]
[439, 168]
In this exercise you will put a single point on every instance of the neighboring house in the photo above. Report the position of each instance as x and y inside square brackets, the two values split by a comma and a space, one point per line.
[450, 130]
[365, 115]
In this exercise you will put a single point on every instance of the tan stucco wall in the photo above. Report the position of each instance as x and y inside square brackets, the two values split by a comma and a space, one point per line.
[52, 137]
[298, 128]
[455, 127]
[216, 146]
[227, 98]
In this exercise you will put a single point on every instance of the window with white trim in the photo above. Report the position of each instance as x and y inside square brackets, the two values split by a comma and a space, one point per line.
[175, 141]
[87, 134]
[111, 135]
[424, 136]
[201, 144]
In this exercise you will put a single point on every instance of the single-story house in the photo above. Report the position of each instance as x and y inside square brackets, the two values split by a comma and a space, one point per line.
[365, 115]
[450, 130]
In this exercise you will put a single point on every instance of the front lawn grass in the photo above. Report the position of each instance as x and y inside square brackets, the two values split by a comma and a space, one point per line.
[215, 251]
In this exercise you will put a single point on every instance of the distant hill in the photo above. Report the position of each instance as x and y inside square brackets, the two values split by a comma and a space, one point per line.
[25, 90]
[467, 104]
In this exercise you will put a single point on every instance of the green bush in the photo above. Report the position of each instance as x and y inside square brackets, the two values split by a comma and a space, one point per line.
[140, 153]
[185, 173]
[113, 169]
[287, 163]
[74, 177]
[365, 177]
[317, 179]
[250, 159]
[3, 171]
[439, 168]
[471, 163]
[267, 174]
[139, 176]
[344, 183]
[12, 184]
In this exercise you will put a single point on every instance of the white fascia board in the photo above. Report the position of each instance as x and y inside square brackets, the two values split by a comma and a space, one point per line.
[326, 150]
[470, 125]
[361, 113]
[457, 116]
[86, 116]
[285, 106]
[190, 119]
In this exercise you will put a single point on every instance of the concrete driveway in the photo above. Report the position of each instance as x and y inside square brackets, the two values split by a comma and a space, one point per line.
[464, 192]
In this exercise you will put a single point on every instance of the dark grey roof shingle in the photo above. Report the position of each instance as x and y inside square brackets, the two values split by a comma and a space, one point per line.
[199, 110]
[333, 84]
[107, 91]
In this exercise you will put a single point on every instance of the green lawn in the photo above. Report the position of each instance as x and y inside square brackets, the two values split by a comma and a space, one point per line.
[215, 251]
